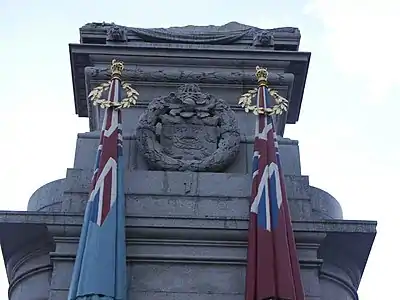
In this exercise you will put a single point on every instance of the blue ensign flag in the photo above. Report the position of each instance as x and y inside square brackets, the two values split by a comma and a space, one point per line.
[100, 266]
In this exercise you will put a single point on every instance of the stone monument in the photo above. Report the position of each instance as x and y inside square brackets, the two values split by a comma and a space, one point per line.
[188, 150]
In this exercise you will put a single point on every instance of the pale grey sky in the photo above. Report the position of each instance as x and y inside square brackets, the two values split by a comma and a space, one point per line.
[347, 130]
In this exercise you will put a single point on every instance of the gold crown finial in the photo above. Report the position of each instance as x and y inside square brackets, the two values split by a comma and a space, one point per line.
[262, 75]
[131, 94]
[116, 68]
[280, 106]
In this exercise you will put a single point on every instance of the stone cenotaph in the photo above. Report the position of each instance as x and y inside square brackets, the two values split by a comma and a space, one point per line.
[188, 148]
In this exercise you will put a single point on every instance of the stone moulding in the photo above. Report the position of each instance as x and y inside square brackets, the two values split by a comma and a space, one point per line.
[198, 132]
[183, 76]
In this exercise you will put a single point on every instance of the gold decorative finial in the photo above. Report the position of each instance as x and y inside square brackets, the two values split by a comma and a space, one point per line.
[281, 104]
[131, 94]
[262, 75]
[116, 69]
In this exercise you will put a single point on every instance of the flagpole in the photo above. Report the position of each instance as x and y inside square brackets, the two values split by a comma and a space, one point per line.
[100, 265]
[273, 271]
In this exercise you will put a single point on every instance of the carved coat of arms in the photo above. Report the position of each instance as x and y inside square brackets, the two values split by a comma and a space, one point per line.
[188, 130]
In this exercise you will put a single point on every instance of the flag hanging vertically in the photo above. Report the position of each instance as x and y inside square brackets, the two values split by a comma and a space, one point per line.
[273, 270]
[100, 265]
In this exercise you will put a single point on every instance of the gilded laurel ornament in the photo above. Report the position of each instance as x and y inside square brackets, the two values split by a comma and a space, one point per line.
[131, 94]
[246, 100]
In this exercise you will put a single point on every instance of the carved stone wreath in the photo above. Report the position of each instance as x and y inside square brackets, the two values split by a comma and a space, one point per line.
[188, 131]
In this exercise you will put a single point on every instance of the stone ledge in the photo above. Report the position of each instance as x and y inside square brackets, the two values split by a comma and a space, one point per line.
[67, 219]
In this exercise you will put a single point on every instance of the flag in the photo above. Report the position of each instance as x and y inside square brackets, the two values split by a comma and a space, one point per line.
[100, 266]
[273, 270]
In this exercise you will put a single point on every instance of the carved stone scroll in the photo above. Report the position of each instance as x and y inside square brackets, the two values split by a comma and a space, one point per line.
[188, 131]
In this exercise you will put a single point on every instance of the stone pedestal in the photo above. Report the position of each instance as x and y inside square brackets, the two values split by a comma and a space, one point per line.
[186, 235]
[186, 231]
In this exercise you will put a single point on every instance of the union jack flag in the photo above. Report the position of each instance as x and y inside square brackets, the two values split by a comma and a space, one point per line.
[272, 265]
[100, 266]
[104, 180]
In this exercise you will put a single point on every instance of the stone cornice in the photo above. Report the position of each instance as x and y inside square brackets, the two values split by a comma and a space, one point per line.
[171, 50]
[158, 54]
[68, 221]
[348, 252]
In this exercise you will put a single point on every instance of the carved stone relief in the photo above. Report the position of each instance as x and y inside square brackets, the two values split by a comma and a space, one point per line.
[217, 35]
[263, 39]
[137, 73]
[116, 33]
[188, 131]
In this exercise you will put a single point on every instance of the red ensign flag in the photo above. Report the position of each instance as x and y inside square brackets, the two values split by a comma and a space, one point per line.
[273, 270]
